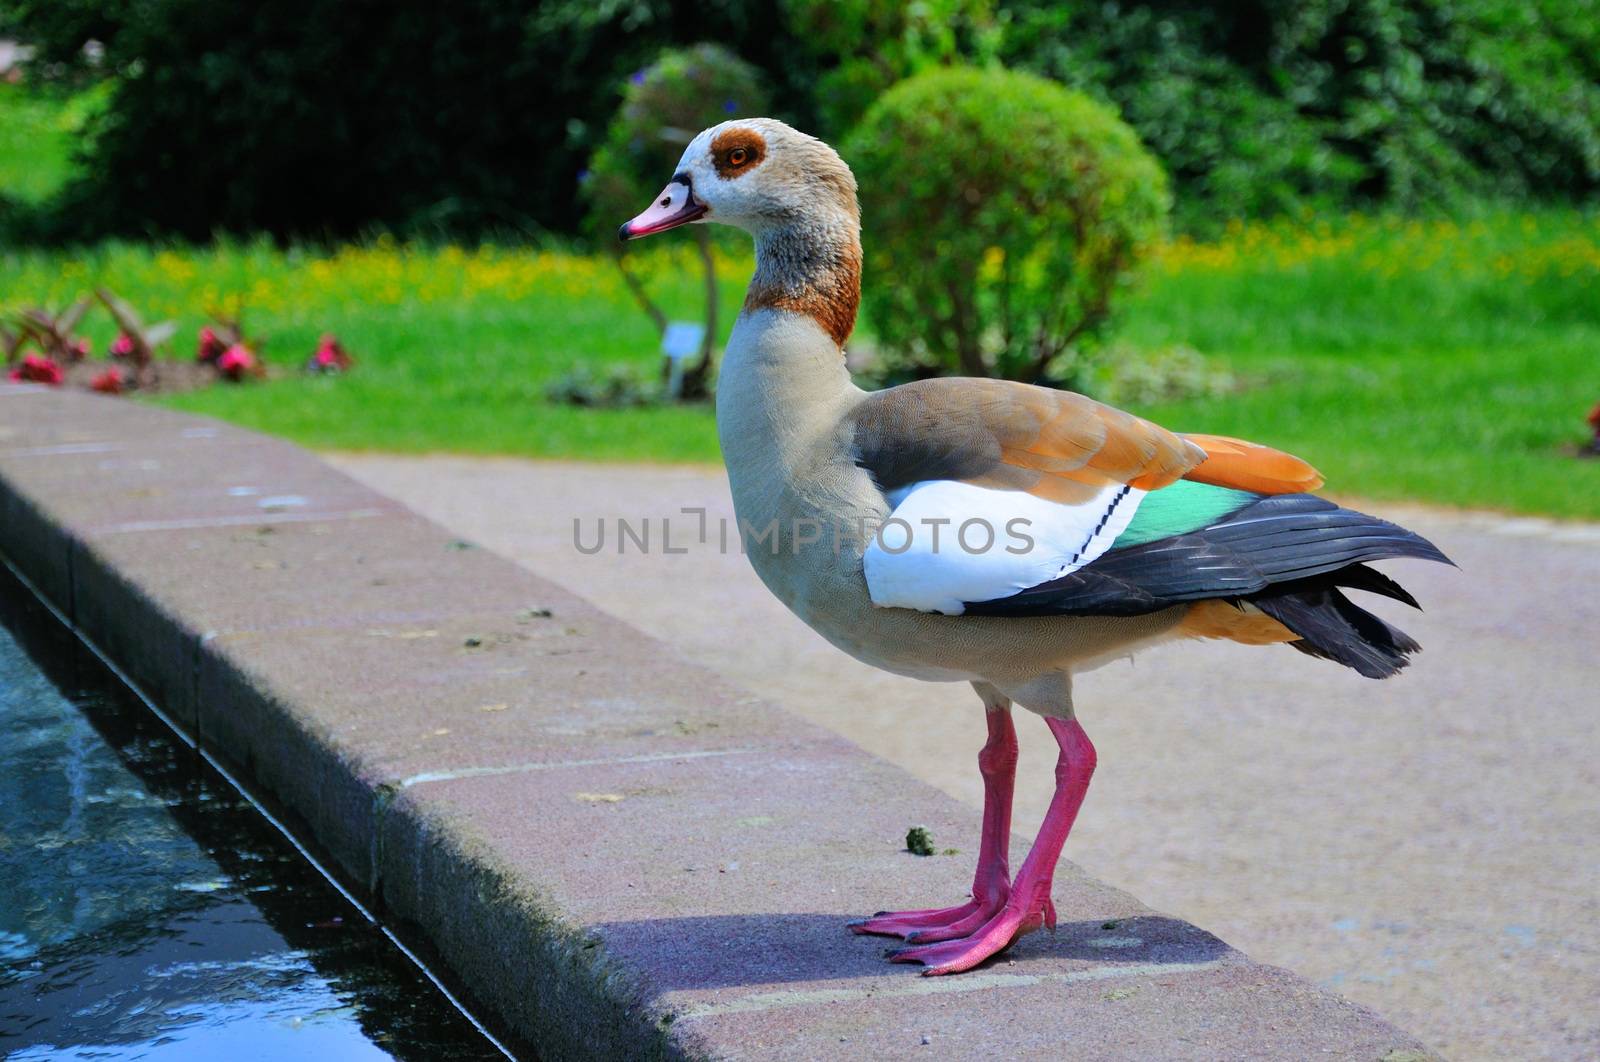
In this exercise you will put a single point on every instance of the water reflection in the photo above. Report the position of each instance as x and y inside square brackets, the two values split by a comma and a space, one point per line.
[147, 912]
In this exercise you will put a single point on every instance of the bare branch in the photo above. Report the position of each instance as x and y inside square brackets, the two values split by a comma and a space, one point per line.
[636, 286]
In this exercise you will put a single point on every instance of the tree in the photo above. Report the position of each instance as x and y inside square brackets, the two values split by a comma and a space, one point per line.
[663, 107]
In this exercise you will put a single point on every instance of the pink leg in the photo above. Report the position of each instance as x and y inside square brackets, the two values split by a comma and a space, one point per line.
[1028, 906]
[992, 883]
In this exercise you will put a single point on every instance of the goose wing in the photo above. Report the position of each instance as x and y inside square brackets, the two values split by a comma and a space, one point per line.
[996, 488]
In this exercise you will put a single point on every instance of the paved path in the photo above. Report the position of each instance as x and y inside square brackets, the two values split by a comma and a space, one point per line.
[1429, 846]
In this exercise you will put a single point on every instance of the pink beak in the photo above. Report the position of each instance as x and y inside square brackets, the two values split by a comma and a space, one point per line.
[676, 205]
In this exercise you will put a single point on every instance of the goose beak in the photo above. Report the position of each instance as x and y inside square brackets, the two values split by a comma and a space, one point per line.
[676, 205]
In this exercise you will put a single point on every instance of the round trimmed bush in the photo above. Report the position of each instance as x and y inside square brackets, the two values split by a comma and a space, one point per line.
[1001, 216]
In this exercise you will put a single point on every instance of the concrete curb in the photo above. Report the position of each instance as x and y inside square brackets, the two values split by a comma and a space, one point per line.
[616, 852]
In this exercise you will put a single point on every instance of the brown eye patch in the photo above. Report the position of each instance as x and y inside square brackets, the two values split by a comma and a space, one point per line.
[737, 152]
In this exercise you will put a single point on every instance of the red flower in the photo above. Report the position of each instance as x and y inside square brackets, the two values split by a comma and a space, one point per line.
[211, 346]
[236, 361]
[122, 346]
[36, 368]
[329, 357]
[108, 382]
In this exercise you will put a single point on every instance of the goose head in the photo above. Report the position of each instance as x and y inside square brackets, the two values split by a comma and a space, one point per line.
[790, 191]
[757, 174]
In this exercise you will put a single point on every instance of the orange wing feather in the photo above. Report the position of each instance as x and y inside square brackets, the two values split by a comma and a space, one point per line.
[1077, 445]
[1224, 619]
[1250, 466]
[1055, 445]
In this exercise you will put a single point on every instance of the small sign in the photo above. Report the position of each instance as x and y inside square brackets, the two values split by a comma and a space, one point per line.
[681, 339]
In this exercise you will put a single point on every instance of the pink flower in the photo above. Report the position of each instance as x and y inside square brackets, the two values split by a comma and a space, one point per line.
[108, 382]
[81, 349]
[36, 368]
[122, 346]
[329, 357]
[211, 346]
[236, 361]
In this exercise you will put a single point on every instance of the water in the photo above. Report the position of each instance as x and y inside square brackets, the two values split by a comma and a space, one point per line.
[147, 911]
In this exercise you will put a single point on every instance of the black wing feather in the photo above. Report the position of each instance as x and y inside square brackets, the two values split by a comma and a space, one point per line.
[1332, 627]
[1282, 538]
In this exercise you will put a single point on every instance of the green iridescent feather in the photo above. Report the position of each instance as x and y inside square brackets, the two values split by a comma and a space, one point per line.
[1179, 508]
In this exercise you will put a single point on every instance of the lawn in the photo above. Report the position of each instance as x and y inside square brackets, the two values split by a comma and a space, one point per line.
[1451, 362]
[1444, 361]
[454, 348]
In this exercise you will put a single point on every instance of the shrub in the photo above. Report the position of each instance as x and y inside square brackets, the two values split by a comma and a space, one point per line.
[325, 118]
[862, 47]
[663, 107]
[608, 387]
[1130, 377]
[1008, 213]
[1262, 108]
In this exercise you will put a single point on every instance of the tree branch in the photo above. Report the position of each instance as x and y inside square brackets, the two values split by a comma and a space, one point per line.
[636, 286]
[695, 380]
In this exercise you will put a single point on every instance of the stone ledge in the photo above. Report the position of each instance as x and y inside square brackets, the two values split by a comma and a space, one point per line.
[615, 851]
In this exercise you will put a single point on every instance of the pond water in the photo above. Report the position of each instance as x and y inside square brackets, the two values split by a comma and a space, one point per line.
[149, 911]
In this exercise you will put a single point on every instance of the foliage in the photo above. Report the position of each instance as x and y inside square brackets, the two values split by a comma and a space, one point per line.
[1126, 376]
[136, 341]
[330, 118]
[663, 107]
[607, 387]
[1256, 108]
[37, 131]
[55, 334]
[62, 30]
[862, 47]
[1010, 213]
[64, 355]
[327, 118]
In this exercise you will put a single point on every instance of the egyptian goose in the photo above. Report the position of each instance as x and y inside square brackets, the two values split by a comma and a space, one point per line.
[989, 532]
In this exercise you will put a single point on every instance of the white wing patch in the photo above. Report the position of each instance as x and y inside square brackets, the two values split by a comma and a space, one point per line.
[947, 543]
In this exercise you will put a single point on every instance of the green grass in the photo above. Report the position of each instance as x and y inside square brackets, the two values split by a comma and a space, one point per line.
[454, 349]
[1448, 362]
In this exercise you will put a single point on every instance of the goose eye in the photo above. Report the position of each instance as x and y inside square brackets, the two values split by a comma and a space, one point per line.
[738, 156]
